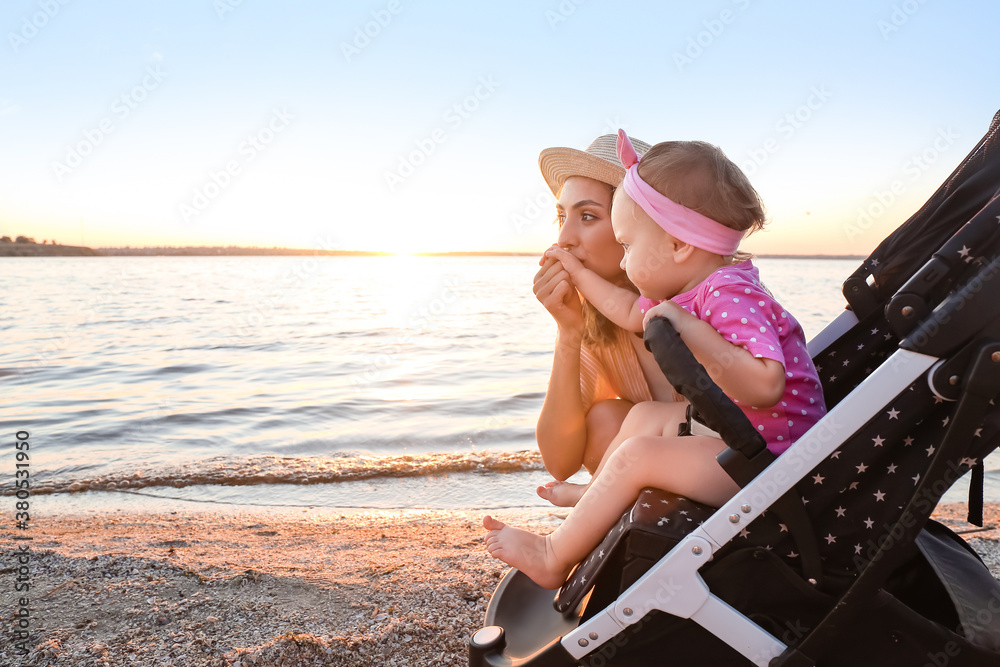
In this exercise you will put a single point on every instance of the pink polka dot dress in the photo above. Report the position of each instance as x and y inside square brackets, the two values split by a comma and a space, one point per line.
[734, 301]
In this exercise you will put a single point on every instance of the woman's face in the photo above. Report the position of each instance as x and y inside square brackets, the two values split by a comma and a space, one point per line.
[584, 209]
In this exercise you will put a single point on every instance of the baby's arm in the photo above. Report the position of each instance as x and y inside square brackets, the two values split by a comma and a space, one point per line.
[616, 303]
[749, 379]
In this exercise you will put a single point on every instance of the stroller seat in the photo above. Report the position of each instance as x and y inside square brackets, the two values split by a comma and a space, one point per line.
[827, 555]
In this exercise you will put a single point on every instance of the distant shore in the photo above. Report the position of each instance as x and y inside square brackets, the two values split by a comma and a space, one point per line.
[212, 251]
[45, 250]
[56, 250]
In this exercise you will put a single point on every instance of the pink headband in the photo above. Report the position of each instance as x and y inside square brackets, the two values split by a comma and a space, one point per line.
[678, 221]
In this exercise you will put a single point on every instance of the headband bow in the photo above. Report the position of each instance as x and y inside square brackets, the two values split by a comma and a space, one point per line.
[679, 221]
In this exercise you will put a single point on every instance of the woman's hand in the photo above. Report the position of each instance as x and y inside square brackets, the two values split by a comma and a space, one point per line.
[554, 288]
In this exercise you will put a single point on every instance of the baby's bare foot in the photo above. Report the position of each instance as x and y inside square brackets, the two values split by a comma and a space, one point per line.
[526, 551]
[561, 494]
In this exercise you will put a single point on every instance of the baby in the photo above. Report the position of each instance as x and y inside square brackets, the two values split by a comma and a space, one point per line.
[680, 216]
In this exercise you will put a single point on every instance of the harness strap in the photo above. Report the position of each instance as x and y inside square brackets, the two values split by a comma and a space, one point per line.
[976, 495]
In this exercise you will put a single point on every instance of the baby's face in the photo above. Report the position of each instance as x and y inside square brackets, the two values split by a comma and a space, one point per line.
[649, 250]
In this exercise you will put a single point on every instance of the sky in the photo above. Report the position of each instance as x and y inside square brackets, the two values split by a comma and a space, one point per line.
[415, 126]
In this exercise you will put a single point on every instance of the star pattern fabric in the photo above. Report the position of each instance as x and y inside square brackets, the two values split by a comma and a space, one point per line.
[662, 518]
[856, 495]
[854, 356]
[853, 497]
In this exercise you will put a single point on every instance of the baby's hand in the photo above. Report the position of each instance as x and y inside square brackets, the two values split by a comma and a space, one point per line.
[667, 309]
[567, 259]
[545, 256]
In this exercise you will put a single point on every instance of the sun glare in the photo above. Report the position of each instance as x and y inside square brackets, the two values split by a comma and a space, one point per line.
[395, 269]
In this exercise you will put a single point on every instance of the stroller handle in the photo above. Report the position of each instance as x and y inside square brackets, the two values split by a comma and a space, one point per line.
[711, 405]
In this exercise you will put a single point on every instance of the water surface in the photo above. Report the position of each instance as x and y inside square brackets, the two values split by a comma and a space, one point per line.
[329, 381]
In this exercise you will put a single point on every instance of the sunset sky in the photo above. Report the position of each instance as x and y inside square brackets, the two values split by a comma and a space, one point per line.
[415, 126]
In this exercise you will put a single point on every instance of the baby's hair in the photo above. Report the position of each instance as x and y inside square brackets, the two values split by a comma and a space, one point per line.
[699, 176]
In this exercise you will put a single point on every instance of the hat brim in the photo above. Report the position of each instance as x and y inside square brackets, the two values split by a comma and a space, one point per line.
[559, 164]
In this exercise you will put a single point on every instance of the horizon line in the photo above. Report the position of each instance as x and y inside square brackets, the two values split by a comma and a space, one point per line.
[54, 249]
[443, 253]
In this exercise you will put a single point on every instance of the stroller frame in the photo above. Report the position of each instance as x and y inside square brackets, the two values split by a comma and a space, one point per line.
[687, 595]
[964, 324]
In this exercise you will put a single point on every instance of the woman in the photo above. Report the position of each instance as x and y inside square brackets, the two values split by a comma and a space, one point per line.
[599, 371]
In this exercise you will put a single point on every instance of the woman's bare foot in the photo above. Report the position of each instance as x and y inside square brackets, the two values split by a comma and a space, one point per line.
[529, 553]
[561, 494]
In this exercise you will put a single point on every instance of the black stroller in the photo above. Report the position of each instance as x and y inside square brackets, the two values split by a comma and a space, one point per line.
[827, 555]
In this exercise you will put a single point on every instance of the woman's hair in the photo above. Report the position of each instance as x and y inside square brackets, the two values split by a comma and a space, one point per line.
[597, 329]
[699, 176]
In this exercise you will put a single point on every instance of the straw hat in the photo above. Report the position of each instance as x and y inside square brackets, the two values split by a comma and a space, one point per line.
[599, 162]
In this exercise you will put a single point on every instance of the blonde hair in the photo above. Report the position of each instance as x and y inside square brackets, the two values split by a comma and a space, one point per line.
[698, 175]
[597, 329]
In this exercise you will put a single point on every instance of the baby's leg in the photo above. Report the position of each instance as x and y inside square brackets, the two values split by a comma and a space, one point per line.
[647, 418]
[650, 418]
[528, 552]
[604, 421]
[685, 466]
[682, 465]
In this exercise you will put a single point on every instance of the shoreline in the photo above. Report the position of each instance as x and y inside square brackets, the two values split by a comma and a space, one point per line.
[388, 587]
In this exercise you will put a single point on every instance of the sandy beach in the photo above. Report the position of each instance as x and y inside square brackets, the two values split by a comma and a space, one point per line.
[198, 588]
